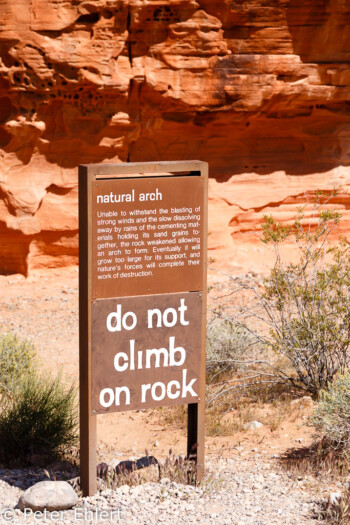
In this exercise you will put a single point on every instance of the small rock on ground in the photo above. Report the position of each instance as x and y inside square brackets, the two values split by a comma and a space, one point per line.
[49, 495]
[252, 425]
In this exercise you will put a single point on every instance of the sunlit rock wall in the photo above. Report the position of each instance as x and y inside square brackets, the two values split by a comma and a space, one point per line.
[258, 88]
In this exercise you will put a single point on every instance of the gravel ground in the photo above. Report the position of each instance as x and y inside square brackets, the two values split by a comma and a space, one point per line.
[235, 492]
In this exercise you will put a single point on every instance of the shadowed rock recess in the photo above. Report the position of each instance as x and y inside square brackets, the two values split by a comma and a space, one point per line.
[258, 88]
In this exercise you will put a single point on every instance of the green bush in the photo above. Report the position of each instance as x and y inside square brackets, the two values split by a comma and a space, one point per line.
[300, 313]
[40, 419]
[332, 416]
[308, 301]
[17, 359]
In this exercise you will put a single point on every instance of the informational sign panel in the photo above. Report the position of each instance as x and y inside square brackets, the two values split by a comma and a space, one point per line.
[146, 351]
[147, 236]
[143, 229]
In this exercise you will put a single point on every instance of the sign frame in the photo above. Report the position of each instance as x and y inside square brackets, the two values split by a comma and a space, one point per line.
[88, 174]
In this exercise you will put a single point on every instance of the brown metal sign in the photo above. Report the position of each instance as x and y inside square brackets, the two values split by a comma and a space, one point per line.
[142, 295]
[147, 236]
[146, 351]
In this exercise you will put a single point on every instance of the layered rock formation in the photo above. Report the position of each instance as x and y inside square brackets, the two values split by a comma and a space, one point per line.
[258, 88]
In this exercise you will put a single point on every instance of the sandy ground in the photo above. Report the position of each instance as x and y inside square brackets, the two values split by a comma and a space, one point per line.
[44, 309]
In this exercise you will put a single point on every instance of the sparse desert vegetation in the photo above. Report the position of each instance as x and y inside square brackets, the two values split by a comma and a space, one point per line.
[256, 372]
[38, 413]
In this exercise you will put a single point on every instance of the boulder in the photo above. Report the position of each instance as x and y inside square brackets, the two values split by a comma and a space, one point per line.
[49, 495]
[129, 466]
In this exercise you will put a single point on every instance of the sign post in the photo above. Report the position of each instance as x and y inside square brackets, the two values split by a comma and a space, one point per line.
[142, 296]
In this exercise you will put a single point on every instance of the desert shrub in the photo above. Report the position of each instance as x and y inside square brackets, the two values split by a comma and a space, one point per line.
[332, 415]
[312, 319]
[17, 359]
[227, 342]
[319, 459]
[41, 419]
[300, 313]
[308, 301]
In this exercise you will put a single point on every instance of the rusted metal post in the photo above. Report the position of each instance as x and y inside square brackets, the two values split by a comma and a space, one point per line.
[87, 419]
[105, 380]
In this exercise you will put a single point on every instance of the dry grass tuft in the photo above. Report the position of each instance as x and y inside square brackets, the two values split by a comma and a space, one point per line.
[175, 468]
[336, 514]
[320, 458]
[173, 415]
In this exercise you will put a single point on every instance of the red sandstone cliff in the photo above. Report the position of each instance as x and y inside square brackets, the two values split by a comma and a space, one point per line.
[258, 88]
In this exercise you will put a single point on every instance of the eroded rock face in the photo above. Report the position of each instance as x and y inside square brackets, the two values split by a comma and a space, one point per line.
[259, 89]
